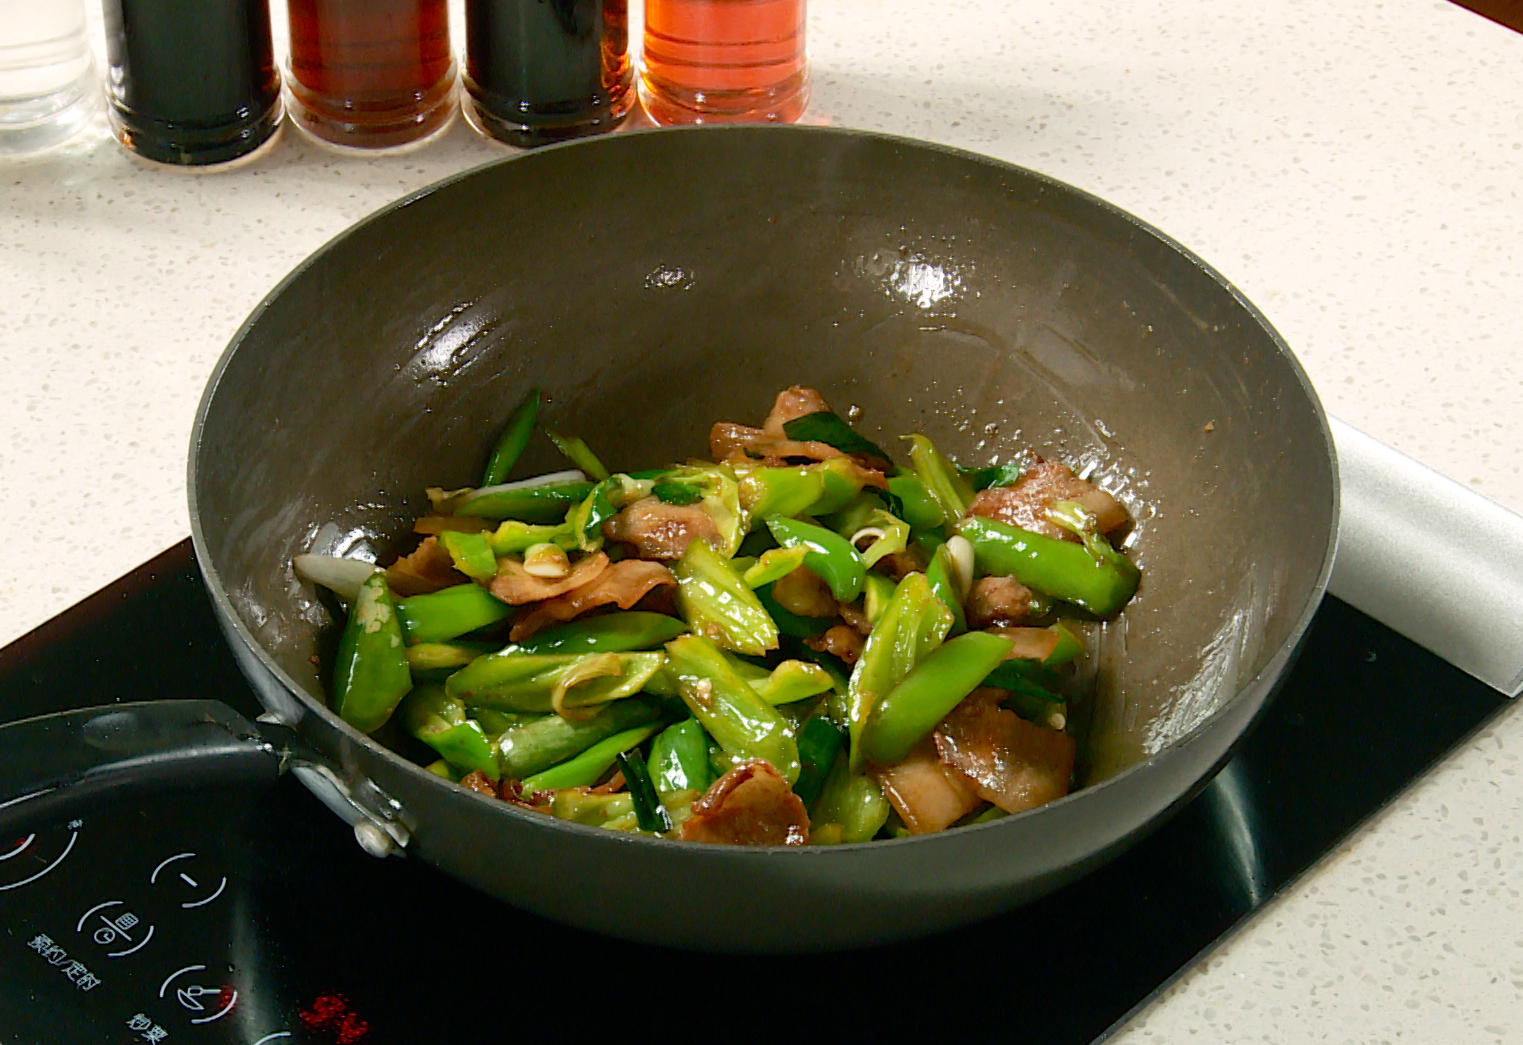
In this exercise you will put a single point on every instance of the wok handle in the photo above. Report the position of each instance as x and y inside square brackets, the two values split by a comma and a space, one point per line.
[53, 766]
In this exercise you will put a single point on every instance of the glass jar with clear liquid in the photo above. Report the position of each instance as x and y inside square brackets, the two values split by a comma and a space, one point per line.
[48, 88]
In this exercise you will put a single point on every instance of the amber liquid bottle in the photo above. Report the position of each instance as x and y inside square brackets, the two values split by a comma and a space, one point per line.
[371, 73]
[540, 71]
[722, 61]
[191, 82]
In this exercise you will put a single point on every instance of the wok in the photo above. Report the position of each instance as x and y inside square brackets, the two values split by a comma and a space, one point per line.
[656, 282]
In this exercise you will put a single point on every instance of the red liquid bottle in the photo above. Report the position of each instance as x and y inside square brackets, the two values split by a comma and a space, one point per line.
[371, 73]
[722, 61]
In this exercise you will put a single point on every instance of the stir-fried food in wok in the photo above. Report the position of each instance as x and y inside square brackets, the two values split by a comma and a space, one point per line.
[796, 641]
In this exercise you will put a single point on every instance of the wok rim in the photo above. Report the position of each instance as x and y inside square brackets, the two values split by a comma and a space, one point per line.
[1267, 676]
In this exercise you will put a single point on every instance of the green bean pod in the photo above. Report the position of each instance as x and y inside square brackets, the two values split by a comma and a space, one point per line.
[717, 603]
[370, 676]
[443, 615]
[430, 660]
[1101, 583]
[743, 724]
[584, 769]
[536, 746]
[827, 554]
[935, 686]
[537, 682]
[513, 439]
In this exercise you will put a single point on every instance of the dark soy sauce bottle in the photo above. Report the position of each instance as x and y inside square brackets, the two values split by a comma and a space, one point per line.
[540, 71]
[191, 82]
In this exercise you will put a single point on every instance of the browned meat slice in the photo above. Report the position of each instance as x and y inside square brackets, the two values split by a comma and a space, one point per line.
[478, 782]
[623, 584]
[840, 640]
[515, 585]
[428, 568]
[927, 795]
[750, 805]
[792, 403]
[738, 444]
[1043, 485]
[854, 615]
[510, 790]
[661, 531]
[1029, 643]
[996, 601]
[1011, 762]
[805, 593]
[901, 564]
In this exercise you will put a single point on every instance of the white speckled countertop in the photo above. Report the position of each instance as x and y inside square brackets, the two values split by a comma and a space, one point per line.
[1356, 168]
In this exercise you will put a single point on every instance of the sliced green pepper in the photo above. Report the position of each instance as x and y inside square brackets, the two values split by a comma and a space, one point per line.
[716, 602]
[538, 682]
[441, 658]
[915, 504]
[471, 553]
[812, 489]
[514, 438]
[774, 565]
[579, 454]
[608, 633]
[584, 769]
[1098, 577]
[936, 685]
[680, 494]
[878, 590]
[913, 625]
[439, 720]
[514, 538]
[679, 758]
[536, 746]
[442, 615]
[601, 504]
[942, 574]
[531, 504]
[853, 800]
[940, 478]
[829, 555]
[743, 724]
[820, 742]
[370, 676]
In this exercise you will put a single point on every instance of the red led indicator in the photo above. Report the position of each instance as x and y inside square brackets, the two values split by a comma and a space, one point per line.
[331, 1013]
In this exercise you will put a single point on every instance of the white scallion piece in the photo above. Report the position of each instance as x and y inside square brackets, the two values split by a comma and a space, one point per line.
[342, 576]
[961, 550]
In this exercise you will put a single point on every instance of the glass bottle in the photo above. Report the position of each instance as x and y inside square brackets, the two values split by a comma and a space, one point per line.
[371, 73]
[538, 71]
[48, 89]
[191, 81]
[724, 61]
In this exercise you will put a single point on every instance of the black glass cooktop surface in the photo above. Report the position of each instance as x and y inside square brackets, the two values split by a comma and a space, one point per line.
[253, 917]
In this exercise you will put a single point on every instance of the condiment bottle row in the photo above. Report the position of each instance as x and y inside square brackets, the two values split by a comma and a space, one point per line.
[195, 82]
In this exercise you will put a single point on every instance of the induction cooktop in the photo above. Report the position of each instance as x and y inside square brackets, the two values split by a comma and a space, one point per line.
[252, 917]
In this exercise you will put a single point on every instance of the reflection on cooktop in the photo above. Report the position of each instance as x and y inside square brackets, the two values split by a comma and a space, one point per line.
[253, 918]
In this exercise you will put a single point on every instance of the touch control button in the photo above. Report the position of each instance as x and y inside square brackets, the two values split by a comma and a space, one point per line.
[182, 875]
[193, 997]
